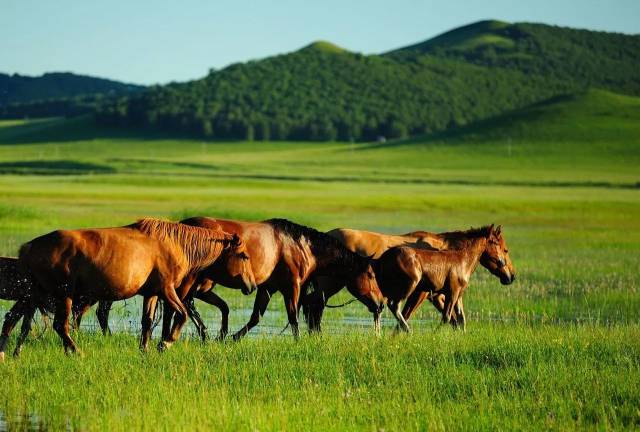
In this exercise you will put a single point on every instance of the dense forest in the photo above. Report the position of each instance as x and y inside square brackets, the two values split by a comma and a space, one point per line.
[323, 92]
[56, 94]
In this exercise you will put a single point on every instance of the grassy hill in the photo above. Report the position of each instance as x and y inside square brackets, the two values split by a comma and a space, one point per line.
[591, 137]
[323, 92]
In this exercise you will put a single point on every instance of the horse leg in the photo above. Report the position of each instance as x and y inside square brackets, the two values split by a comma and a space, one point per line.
[11, 318]
[394, 307]
[104, 307]
[167, 317]
[450, 302]
[413, 303]
[27, 319]
[181, 316]
[439, 301]
[291, 299]
[325, 287]
[148, 314]
[214, 299]
[259, 307]
[459, 311]
[78, 313]
[61, 324]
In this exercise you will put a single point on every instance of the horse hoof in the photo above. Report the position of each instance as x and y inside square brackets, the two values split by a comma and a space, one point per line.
[1, 357]
[163, 346]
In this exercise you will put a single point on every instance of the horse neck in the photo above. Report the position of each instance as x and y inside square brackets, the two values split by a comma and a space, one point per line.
[472, 253]
[343, 260]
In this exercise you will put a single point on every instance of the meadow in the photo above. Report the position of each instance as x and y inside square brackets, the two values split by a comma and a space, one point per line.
[558, 349]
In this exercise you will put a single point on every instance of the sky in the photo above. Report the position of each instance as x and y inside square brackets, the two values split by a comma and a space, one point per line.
[155, 42]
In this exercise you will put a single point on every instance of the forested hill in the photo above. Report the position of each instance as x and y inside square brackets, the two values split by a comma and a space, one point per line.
[23, 89]
[324, 92]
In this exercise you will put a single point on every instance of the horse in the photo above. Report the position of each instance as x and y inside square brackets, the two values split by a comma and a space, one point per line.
[283, 256]
[17, 285]
[14, 285]
[373, 244]
[150, 258]
[402, 270]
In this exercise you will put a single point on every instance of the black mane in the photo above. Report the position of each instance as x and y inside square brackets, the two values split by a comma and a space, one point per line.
[322, 245]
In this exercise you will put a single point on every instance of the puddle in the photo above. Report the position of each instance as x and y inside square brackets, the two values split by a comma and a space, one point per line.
[23, 422]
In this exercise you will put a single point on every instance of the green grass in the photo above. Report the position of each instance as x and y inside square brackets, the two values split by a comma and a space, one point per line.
[493, 377]
[558, 349]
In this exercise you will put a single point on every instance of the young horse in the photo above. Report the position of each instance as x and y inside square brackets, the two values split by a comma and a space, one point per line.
[373, 244]
[150, 257]
[283, 255]
[401, 270]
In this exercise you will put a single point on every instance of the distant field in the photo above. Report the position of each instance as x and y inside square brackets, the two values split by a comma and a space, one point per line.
[558, 349]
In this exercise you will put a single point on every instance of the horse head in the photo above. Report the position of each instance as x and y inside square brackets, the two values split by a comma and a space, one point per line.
[238, 264]
[495, 257]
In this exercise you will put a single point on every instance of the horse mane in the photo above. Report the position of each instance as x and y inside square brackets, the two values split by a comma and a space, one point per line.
[201, 246]
[322, 244]
[462, 238]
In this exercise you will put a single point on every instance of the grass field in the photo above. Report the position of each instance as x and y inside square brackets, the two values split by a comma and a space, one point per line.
[558, 349]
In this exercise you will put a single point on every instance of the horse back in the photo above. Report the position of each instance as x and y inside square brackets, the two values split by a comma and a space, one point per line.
[105, 262]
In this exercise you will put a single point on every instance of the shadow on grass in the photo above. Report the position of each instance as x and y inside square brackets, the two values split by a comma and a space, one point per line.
[85, 128]
[53, 167]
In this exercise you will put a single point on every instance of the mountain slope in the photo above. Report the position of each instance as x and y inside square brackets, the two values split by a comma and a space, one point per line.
[598, 59]
[323, 92]
[25, 89]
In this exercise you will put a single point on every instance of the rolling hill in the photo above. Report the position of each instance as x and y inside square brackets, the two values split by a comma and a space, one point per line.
[57, 85]
[590, 138]
[324, 92]
[56, 94]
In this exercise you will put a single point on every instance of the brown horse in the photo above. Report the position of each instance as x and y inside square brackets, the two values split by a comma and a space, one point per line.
[283, 256]
[373, 244]
[401, 270]
[151, 258]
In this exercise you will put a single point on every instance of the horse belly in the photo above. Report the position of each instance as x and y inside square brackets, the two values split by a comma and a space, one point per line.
[116, 279]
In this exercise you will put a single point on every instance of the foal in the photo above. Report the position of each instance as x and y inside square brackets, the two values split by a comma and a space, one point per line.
[402, 270]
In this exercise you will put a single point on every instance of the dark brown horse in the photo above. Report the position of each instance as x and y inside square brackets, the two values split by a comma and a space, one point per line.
[15, 285]
[151, 258]
[402, 270]
[373, 244]
[283, 256]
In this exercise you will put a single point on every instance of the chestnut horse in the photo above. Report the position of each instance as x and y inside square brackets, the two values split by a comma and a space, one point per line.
[150, 257]
[401, 270]
[373, 244]
[283, 255]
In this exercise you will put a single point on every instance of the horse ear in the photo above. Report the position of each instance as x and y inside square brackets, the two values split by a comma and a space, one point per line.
[498, 230]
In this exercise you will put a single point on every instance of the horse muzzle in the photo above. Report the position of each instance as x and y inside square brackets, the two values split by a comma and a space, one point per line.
[246, 290]
[508, 280]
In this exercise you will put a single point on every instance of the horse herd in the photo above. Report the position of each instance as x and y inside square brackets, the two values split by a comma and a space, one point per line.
[67, 271]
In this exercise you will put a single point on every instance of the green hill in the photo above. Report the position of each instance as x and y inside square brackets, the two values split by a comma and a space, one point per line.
[588, 138]
[323, 92]
[56, 94]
